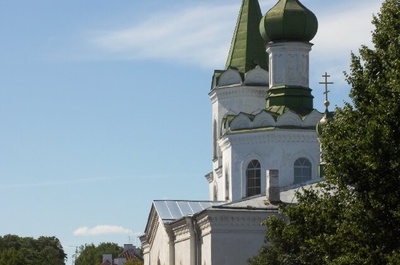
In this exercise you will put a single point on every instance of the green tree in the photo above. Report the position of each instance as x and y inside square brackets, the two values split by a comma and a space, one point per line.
[354, 217]
[90, 254]
[15, 250]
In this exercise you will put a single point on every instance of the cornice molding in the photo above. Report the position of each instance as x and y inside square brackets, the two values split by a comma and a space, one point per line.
[236, 221]
[153, 224]
[181, 232]
[204, 225]
[210, 177]
[264, 119]
[270, 136]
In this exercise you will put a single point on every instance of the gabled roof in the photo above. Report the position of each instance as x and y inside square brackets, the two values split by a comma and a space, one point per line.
[247, 47]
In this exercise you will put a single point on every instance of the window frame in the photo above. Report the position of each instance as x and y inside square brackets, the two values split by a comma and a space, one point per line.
[253, 178]
[302, 170]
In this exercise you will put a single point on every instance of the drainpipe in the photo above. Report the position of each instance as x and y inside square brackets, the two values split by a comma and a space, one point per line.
[193, 240]
[197, 240]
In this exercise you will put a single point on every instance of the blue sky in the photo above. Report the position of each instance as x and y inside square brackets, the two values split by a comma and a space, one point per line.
[104, 106]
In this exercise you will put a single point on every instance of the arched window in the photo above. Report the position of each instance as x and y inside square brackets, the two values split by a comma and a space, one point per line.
[253, 175]
[215, 138]
[302, 170]
[215, 191]
[227, 186]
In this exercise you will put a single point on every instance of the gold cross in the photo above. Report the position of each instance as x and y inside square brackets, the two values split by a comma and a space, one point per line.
[326, 83]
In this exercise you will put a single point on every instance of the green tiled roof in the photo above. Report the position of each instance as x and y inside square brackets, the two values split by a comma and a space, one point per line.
[247, 47]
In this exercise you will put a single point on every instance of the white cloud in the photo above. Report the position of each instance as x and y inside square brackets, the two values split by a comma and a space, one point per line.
[102, 230]
[341, 31]
[345, 30]
[201, 35]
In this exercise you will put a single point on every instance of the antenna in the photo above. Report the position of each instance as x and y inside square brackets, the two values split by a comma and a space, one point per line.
[74, 256]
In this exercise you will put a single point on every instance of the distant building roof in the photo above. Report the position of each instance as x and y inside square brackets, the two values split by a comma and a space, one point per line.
[129, 254]
[106, 262]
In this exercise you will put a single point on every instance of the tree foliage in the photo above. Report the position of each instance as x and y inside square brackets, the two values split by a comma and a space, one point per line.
[134, 261]
[15, 250]
[354, 217]
[90, 254]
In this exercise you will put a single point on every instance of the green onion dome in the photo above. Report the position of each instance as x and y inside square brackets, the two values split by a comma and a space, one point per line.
[289, 20]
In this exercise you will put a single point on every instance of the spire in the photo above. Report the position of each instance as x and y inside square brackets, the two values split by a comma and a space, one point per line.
[247, 47]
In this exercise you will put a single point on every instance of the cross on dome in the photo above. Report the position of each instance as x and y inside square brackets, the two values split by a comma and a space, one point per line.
[326, 83]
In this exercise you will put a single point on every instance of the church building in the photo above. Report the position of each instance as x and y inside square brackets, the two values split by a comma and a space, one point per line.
[264, 146]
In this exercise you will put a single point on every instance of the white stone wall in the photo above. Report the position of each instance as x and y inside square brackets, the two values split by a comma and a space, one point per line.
[206, 250]
[236, 236]
[276, 149]
[223, 238]
[233, 96]
[289, 64]
[158, 249]
[182, 252]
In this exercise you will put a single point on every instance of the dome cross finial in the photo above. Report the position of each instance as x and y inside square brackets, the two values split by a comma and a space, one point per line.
[326, 83]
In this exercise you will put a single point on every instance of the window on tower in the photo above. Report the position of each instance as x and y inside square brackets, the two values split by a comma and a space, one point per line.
[215, 136]
[215, 197]
[253, 175]
[302, 170]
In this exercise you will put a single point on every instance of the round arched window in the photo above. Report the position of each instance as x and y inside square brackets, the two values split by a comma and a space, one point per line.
[302, 170]
[253, 175]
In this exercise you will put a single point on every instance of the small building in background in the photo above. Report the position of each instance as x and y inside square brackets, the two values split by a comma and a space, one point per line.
[130, 252]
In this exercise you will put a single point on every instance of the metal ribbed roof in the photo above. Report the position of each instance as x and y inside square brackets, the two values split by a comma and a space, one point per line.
[170, 210]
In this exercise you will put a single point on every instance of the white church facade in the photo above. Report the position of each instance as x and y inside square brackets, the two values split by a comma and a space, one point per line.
[264, 146]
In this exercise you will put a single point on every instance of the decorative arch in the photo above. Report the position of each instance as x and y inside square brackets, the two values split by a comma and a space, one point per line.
[256, 76]
[241, 121]
[215, 191]
[215, 137]
[263, 119]
[227, 185]
[230, 77]
[289, 119]
[312, 119]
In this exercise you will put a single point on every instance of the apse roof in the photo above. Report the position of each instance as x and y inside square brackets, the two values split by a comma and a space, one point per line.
[170, 210]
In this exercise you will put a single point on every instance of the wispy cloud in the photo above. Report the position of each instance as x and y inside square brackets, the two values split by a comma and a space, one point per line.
[102, 230]
[341, 31]
[199, 35]
[345, 30]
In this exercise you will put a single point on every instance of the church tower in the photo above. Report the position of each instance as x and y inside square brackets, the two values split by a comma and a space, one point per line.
[240, 88]
[260, 120]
